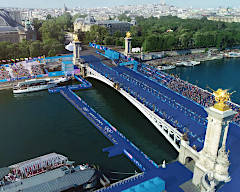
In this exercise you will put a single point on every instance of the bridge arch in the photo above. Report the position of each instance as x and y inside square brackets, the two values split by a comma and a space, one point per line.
[169, 132]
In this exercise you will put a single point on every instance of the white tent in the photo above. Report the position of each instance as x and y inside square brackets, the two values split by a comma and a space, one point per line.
[69, 47]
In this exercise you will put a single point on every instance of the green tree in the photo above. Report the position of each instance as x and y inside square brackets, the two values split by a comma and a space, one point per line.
[35, 49]
[51, 30]
[124, 17]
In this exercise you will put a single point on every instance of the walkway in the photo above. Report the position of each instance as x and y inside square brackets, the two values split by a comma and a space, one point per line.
[121, 143]
[149, 181]
[165, 103]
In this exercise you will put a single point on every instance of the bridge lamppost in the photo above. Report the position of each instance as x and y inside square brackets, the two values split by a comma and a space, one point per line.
[213, 157]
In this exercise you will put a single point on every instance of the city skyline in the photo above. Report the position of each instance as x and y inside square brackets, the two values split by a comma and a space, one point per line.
[107, 3]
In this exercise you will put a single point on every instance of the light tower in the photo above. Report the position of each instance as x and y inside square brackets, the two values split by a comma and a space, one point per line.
[213, 158]
[128, 44]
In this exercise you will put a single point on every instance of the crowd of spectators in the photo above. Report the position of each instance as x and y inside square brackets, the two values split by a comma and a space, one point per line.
[37, 69]
[184, 88]
[19, 71]
[4, 74]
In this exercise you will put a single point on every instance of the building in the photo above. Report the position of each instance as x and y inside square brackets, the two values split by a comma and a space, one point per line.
[228, 19]
[113, 26]
[11, 30]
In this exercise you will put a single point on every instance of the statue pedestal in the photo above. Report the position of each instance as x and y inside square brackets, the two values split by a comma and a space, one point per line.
[213, 157]
[128, 46]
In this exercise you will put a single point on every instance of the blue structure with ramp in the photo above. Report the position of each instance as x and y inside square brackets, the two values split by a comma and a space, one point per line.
[177, 110]
[151, 180]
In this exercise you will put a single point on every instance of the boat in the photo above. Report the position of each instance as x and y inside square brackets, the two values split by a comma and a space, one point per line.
[190, 63]
[232, 54]
[166, 67]
[187, 64]
[48, 173]
[195, 63]
[179, 63]
[59, 80]
[33, 85]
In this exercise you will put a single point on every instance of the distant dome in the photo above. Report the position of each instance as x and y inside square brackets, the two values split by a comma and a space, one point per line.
[90, 19]
[79, 20]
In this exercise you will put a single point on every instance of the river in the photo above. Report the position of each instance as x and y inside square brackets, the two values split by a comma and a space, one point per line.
[38, 123]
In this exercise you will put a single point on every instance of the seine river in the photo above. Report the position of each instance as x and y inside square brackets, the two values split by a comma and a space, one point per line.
[39, 123]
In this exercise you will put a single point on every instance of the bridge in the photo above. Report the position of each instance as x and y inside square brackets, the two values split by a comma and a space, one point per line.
[152, 177]
[173, 114]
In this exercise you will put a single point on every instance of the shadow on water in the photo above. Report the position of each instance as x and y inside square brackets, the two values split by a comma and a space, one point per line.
[39, 123]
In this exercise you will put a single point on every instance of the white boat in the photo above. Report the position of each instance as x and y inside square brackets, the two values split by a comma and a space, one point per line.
[60, 80]
[232, 54]
[195, 62]
[33, 85]
[187, 64]
[166, 67]
[191, 63]
[179, 63]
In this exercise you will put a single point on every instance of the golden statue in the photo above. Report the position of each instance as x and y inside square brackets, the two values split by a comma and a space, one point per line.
[222, 97]
[75, 37]
[128, 35]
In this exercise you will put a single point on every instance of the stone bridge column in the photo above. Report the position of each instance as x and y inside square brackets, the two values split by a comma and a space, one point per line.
[213, 157]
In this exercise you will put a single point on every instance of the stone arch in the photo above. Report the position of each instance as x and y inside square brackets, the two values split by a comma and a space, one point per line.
[190, 163]
[188, 159]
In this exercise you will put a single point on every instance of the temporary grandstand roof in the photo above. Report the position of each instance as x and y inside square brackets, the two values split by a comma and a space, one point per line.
[51, 181]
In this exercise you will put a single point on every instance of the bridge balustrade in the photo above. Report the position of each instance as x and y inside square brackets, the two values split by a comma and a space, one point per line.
[164, 106]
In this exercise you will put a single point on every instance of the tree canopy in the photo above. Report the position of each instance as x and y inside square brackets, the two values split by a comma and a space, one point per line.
[50, 39]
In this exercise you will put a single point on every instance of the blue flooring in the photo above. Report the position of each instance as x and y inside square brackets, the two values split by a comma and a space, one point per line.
[174, 175]
[167, 104]
[121, 144]
[149, 92]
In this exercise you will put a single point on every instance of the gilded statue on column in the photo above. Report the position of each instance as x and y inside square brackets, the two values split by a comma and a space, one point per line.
[221, 98]
[128, 35]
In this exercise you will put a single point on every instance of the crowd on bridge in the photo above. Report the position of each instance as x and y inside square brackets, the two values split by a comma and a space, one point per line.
[192, 92]
[171, 108]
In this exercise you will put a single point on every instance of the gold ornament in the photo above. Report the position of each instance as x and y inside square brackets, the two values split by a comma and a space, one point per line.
[75, 37]
[222, 97]
[128, 35]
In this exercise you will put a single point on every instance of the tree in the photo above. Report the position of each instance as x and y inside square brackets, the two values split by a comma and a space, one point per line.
[35, 48]
[51, 47]
[37, 25]
[97, 34]
[52, 30]
[124, 17]
[49, 17]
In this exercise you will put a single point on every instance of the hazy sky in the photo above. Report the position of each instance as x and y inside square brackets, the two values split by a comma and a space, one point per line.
[102, 3]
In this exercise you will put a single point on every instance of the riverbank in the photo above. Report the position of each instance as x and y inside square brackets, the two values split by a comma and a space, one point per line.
[186, 60]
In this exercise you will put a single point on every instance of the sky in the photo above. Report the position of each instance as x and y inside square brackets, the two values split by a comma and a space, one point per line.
[110, 3]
